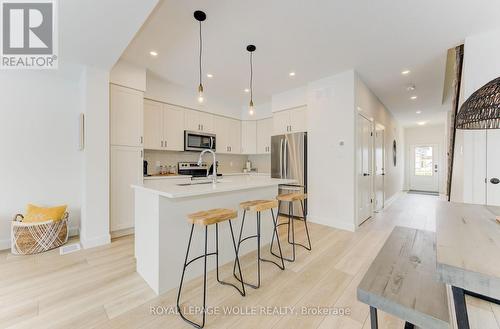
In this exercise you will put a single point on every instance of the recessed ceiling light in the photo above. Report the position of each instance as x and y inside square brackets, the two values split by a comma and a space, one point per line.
[405, 72]
[292, 74]
[421, 123]
[418, 112]
[246, 90]
[210, 75]
[413, 98]
[153, 53]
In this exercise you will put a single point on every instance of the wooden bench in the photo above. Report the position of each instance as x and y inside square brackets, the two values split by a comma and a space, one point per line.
[402, 281]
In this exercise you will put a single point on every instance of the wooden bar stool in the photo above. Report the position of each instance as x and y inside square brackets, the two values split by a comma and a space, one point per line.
[290, 198]
[207, 218]
[258, 206]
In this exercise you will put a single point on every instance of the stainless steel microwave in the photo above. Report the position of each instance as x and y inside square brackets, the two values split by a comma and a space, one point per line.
[197, 141]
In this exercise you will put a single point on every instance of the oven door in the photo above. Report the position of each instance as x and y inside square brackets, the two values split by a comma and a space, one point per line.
[194, 141]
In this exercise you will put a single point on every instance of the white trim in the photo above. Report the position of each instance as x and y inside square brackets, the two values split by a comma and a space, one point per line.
[95, 242]
[5, 244]
[332, 223]
[393, 198]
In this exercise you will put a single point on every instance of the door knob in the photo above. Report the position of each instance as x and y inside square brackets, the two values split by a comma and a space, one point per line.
[494, 180]
[365, 174]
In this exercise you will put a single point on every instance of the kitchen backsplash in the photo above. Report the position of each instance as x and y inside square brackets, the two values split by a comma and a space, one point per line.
[228, 163]
[261, 162]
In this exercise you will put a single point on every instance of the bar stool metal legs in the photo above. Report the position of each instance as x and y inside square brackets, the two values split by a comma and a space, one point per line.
[204, 256]
[291, 229]
[259, 258]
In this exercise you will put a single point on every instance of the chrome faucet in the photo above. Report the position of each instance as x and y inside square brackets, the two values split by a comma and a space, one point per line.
[214, 174]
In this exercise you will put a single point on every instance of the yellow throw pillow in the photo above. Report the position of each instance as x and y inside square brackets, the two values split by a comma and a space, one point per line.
[35, 214]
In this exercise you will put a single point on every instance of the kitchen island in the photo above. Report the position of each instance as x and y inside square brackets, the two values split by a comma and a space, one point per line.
[162, 232]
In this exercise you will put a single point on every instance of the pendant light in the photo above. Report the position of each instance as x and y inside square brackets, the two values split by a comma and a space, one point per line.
[200, 16]
[251, 49]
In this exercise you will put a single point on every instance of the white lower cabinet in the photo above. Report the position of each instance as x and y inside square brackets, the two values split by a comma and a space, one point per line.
[126, 169]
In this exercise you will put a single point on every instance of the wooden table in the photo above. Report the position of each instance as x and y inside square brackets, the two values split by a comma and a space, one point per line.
[402, 281]
[468, 253]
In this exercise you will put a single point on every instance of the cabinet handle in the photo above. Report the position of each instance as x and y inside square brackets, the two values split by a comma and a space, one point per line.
[142, 155]
[165, 143]
[230, 149]
[161, 143]
[142, 139]
[202, 128]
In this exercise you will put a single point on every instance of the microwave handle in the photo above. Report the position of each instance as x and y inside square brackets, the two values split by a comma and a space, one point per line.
[211, 142]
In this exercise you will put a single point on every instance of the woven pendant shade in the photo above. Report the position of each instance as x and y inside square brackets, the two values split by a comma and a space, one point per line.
[482, 109]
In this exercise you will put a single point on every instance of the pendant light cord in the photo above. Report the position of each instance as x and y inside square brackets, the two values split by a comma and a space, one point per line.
[251, 76]
[201, 49]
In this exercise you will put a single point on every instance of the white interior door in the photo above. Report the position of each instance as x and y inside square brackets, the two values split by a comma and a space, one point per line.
[493, 168]
[379, 169]
[424, 164]
[364, 159]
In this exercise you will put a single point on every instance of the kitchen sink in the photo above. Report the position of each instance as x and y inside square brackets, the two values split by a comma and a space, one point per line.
[199, 182]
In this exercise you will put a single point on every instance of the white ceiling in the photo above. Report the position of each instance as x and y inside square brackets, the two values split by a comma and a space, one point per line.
[314, 38]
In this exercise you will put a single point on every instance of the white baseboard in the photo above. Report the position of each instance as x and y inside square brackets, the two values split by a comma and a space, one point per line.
[4, 244]
[124, 232]
[95, 242]
[332, 223]
[393, 198]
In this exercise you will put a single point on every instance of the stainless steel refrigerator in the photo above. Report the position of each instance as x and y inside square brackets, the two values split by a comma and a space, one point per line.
[289, 160]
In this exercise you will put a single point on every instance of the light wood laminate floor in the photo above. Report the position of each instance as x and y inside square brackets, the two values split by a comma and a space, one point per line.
[98, 288]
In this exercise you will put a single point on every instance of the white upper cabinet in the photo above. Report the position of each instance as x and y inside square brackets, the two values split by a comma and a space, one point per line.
[126, 116]
[290, 121]
[249, 137]
[199, 121]
[264, 133]
[228, 135]
[153, 125]
[281, 122]
[163, 126]
[173, 128]
[298, 119]
[234, 136]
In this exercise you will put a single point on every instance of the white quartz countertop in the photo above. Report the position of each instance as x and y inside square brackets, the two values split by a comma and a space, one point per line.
[189, 176]
[171, 188]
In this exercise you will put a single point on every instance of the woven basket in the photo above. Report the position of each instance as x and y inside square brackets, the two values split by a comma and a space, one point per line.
[34, 238]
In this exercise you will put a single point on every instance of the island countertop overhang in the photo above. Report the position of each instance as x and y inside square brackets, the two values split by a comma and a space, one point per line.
[173, 190]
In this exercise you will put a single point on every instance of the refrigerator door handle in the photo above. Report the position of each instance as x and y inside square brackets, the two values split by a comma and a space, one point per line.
[285, 156]
[281, 158]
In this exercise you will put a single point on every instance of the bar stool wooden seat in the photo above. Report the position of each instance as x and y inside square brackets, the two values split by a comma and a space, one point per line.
[205, 219]
[258, 206]
[291, 198]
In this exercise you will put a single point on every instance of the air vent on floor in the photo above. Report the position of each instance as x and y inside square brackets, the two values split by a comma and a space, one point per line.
[67, 249]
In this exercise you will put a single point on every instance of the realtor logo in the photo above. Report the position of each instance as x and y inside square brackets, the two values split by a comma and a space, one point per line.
[29, 34]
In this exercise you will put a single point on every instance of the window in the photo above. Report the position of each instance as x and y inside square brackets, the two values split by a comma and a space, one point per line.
[423, 161]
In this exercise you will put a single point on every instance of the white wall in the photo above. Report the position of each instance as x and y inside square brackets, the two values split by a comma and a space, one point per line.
[371, 107]
[128, 75]
[481, 65]
[331, 166]
[289, 99]
[434, 134]
[164, 91]
[40, 161]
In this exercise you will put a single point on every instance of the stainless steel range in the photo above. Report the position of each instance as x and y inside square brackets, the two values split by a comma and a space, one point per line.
[193, 169]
